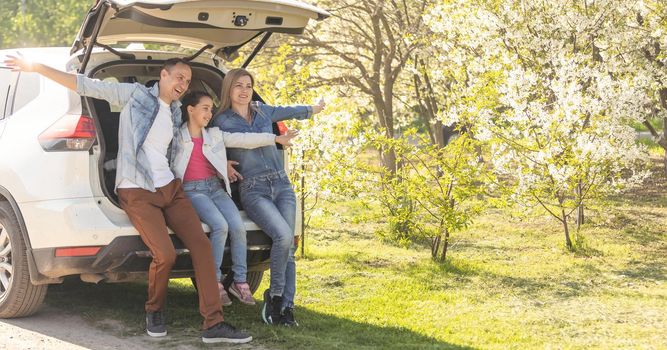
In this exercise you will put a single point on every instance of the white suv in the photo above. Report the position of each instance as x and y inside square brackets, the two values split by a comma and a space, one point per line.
[59, 215]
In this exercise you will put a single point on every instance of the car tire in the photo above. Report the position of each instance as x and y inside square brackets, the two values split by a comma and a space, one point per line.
[254, 278]
[18, 296]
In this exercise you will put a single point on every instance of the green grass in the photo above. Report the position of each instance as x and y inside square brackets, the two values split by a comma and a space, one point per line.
[507, 284]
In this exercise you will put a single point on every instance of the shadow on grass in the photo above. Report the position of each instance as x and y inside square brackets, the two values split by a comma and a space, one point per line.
[643, 198]
[322, 331]
[124, 303]
[644, 234]
[456, 273]
[336, 233]
[640, 270]
[643, 228]
[652, 193]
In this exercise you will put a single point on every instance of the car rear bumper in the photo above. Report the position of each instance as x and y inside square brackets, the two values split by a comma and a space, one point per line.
[127, 257]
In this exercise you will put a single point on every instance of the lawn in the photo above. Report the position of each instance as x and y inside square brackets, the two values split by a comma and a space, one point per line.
[508, 283]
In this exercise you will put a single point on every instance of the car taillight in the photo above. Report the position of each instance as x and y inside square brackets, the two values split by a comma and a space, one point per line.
[282, 128]
[69, 133]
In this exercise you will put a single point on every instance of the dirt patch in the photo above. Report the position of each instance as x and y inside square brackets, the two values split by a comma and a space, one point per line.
[54, 329]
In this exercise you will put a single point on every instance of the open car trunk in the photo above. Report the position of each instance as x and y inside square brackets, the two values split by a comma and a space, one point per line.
[220, 27]
[107, 117]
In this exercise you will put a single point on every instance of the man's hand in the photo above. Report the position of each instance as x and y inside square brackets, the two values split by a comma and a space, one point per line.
[285, 139]
[232, 174]
[19, 63]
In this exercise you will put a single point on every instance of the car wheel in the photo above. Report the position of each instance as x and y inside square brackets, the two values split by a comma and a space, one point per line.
[254, 278]
[18, 296]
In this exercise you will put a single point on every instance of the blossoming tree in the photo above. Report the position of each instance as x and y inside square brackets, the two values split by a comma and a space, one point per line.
[544, 85]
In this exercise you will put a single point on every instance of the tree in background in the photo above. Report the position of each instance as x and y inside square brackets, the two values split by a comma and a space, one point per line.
[27, 23]
[445, 183]
[642, 49]
[364, 49]
[537, 87]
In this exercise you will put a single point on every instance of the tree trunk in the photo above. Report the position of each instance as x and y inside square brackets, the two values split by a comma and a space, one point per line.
[664, 137]
[663, 104]
[389, 160]
[303, 204]
[661, 139]
[580, 216]
[580, 207]
[443, 256]
[387, 126]
[568, 241]
[435, 247]
[388, 111]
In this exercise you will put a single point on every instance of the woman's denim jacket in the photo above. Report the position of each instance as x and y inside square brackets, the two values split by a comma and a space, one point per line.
[262, 160]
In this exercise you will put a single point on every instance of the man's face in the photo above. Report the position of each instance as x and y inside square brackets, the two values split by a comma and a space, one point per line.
[174, 82]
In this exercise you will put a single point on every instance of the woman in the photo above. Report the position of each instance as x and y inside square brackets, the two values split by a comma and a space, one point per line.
[201, 162]
[265, 190]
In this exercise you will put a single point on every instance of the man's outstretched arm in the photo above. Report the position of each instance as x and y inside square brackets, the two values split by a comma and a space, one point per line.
[19, 63]
[115, 93]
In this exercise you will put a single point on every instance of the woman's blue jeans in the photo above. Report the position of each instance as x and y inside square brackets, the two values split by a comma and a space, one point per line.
[217, 210]
[269, 201]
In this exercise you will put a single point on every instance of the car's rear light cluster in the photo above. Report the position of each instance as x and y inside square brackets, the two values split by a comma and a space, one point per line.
[282, 128]
[70, 133]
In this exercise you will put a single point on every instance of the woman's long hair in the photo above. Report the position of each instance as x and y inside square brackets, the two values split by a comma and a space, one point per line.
[230, 78]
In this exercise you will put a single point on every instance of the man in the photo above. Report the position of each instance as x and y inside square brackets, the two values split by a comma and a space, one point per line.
[147, 189]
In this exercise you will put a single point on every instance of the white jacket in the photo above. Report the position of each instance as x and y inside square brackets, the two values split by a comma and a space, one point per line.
[214, 148]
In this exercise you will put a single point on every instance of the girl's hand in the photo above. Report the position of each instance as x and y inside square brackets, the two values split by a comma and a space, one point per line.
[285, 139]
[319, 106]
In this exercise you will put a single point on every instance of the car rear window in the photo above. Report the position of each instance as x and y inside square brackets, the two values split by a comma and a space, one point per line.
[26, 90]
[5, 78]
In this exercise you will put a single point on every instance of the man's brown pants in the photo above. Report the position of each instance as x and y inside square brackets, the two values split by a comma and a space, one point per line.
[151, 213]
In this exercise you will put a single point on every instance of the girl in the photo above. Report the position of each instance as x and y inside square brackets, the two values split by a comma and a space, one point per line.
[201, 162]
[266, 192]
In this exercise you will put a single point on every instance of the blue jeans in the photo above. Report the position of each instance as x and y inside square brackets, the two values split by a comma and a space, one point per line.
[217, 210]
[270, 202]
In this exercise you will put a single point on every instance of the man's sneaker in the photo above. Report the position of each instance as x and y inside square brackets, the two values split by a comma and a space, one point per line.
[271, 308]
[287, 318]
[155, 325]
[242, 292]
[224, 332]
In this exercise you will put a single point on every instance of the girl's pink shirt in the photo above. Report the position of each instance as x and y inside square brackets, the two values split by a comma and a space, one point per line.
[199, 168]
